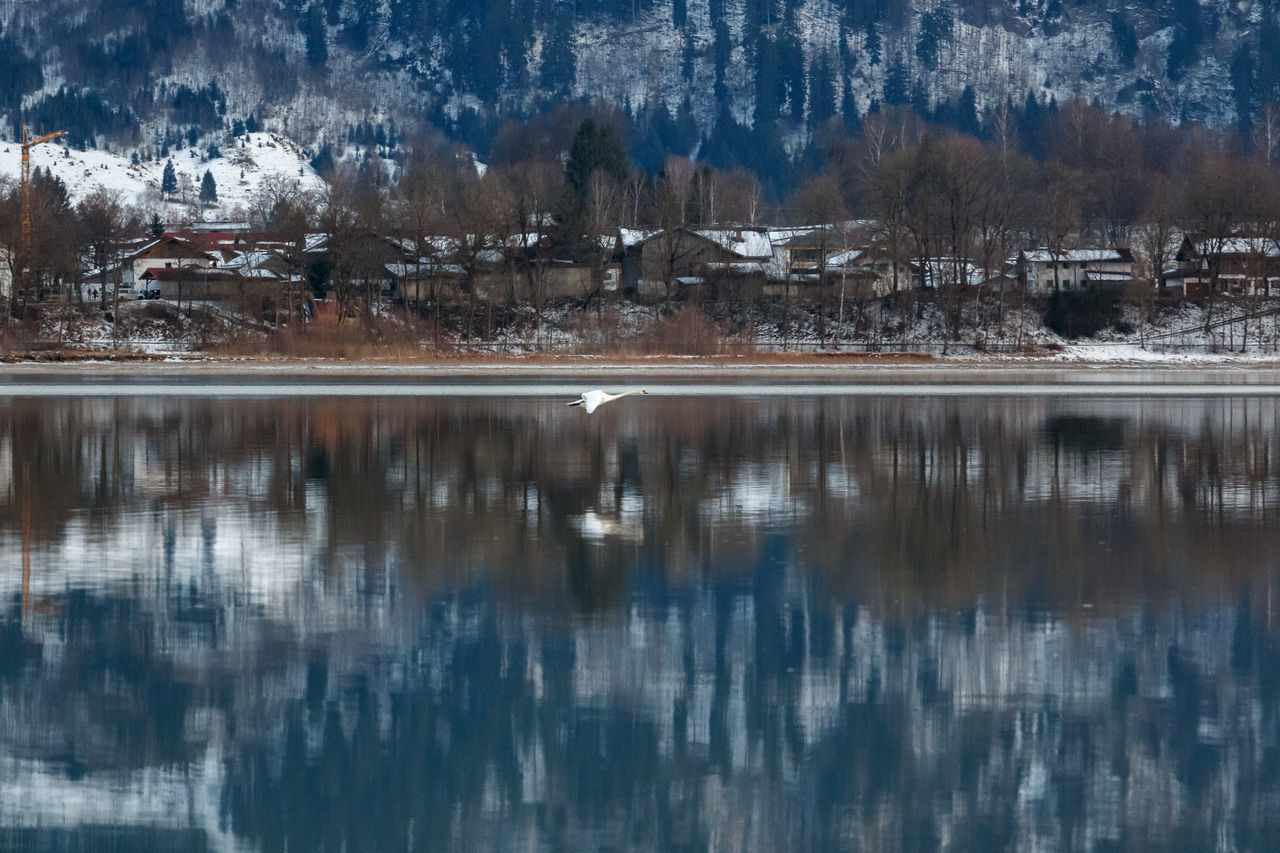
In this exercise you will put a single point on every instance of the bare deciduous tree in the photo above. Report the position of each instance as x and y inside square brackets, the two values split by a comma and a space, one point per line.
[104, 223]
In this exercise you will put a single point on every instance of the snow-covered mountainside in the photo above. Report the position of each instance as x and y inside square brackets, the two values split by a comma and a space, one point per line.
[366, 72]
[238, 173]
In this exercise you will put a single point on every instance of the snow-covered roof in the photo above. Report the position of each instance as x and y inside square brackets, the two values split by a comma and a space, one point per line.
[144, 247]
[846, 257]
[743, 242]
[634, 236]
[783, 235]
[427, 267]
[1082, 256]
[1237, 246]
[738, 267]
[864, 256]
[248, 260]
[189, 248]
[525, 239]
[438, 245]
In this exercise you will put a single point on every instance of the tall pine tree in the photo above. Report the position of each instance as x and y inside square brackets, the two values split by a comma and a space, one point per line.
[208, 189]
[595, 147]
[169, 180]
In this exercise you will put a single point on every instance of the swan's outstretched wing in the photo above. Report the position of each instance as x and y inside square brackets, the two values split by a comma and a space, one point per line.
[592, 400]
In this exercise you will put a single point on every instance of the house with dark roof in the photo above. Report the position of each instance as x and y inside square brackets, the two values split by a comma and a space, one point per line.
[1239, 264]
[687, 257]
[872, 271]
[167, 252]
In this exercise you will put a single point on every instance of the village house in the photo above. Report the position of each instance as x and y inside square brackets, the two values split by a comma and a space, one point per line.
[1241, 265]
[688, 262]
[363, 260]
[1047, 271]
[204, 265]
[534, 269]
[871, 271]
[631, 257]
[167, 252]
[696, 259]
[951, 273]
[799, 254]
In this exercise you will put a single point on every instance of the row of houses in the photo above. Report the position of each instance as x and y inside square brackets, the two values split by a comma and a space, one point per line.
[653, 261]
[684, 262]
[220, 264]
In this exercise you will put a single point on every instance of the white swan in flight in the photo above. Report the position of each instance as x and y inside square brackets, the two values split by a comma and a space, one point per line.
[592, 400]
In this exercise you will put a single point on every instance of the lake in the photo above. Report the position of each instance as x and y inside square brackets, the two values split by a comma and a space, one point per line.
[703, 619]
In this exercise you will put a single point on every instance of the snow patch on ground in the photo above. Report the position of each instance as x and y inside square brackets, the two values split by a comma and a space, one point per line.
[246, 162]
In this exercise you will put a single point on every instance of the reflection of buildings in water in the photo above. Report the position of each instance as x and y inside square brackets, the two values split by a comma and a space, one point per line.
[799, 647]
[757, 491]
[236, 500]
[216, 550]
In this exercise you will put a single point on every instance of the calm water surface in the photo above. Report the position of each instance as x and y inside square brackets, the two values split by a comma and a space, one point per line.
[847, 623]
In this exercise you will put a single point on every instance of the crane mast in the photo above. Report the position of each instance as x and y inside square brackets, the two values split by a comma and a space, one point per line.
[28, 142]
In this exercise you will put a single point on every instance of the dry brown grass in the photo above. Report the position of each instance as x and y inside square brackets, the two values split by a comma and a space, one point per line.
[349, 341]
[687, 332]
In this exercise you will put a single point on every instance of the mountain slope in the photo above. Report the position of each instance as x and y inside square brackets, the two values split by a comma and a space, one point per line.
[241, 170]
[142, 73]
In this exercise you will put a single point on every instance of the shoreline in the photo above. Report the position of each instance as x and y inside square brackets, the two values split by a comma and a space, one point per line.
[890, 369]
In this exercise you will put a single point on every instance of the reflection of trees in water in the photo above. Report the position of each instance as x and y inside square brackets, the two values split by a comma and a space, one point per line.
[1150, 747]
[947, 498]
[97, 693]
[848, 623]
[743, 712]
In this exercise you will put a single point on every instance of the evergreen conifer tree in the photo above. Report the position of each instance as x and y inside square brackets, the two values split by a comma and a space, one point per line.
[595, 146]
[169, 181]
[208, 189]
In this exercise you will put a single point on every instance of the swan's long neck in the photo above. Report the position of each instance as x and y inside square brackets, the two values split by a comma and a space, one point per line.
[609, 397]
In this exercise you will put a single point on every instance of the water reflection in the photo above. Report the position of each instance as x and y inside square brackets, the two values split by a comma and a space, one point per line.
[863, 623]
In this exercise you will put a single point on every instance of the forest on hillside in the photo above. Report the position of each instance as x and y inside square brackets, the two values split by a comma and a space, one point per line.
[734, 84]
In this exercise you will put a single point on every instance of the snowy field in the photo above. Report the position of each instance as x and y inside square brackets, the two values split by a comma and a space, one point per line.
[246, 162]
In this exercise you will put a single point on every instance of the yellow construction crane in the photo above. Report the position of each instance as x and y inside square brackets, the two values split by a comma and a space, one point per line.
[27, 144]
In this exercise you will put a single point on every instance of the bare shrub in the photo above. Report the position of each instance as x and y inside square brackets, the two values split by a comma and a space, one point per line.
[598, 333]
[687, 331]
